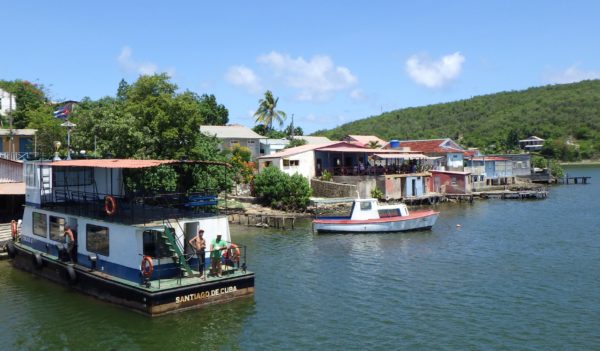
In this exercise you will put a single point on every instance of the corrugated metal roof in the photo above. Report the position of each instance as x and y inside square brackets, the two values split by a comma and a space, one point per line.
[365, 139]
[231, 132]
[408, 156]
[313, 139]
[429, 146]
[488, 158]
[123, 163]
[18, 132]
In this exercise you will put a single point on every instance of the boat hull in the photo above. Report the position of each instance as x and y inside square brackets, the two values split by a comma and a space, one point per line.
[152, 302]
[420, 220]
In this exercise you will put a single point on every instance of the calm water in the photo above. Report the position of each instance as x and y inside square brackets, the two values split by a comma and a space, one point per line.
[516, 275]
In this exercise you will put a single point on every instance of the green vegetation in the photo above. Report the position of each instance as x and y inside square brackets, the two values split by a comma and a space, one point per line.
[494, 123]
[376, 193]
[267, 112]
[282, 191]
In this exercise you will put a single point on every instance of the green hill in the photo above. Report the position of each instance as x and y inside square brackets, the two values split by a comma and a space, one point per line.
[495, 122]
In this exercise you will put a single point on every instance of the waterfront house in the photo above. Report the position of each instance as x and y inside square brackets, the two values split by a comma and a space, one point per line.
[17, 144]
[450, 182]
[449, 152]
[533, 143]
[489, 170]
[232, 135]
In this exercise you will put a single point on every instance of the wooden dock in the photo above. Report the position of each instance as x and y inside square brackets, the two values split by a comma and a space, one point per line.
[573, 180]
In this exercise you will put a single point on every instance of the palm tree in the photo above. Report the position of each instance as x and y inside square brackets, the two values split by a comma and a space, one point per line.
[267, 112]
[373, 144]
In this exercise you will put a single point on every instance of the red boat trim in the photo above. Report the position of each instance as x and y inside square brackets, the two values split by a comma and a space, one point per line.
[412, 215]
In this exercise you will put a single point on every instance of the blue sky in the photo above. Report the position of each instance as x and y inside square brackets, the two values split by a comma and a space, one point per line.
[329, 62]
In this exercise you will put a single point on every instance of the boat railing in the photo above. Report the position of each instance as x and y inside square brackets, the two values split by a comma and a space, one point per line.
[231, 260]
[132, 208]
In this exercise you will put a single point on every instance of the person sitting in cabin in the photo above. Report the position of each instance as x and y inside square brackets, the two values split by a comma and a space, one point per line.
[199, 245]
[70, 241]
[216, 248]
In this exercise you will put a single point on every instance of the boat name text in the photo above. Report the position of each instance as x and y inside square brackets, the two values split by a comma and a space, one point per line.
[205, 294]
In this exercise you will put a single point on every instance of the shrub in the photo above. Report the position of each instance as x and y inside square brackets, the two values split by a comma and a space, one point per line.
[279, 190]
[376, 193]
[326, 176]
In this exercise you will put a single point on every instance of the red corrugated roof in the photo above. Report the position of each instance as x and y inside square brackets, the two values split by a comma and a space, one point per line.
[432, 146]
[121, 163]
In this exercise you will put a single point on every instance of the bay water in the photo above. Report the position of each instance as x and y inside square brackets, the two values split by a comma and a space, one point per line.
[492, 275]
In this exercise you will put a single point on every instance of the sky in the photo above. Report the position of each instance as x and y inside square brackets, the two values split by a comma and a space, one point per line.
[328, 62]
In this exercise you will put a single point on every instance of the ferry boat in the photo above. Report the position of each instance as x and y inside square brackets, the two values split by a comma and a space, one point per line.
[129, 248]
[367, 216]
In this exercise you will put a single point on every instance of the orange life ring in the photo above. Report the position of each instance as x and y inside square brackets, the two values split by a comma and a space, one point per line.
[232, 253]
[13, 229]
[147, 267]
[110, 205]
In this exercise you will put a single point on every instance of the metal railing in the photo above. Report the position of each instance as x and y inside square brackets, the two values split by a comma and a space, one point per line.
[132, 209]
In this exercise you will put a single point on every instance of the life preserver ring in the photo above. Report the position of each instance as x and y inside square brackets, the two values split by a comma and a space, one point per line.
[13, 229]
[232, 253]
[110, 205]
[147, 267]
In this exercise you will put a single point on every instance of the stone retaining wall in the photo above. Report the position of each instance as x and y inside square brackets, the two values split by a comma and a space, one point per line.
[323, 188]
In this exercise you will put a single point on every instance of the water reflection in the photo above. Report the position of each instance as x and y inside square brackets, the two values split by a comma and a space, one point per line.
[40, 315]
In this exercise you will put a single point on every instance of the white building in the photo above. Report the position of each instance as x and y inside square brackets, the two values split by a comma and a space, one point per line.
[7, 102]
[233, 135]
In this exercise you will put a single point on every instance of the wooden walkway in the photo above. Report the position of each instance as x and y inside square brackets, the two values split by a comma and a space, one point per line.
[573, 180]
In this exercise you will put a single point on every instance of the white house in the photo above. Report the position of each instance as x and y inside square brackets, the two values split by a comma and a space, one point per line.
[7, 102]
[271, 146]
[533, 143]
[232, 135]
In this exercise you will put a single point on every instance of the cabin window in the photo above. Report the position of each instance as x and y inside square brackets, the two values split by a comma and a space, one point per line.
[40, 224]
[154, 245]
[75, 176]
[393, 212]
[57, 228]
[96, 239]
[365, 206]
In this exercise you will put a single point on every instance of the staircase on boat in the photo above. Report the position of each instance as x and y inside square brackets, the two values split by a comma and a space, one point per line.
[176, 250]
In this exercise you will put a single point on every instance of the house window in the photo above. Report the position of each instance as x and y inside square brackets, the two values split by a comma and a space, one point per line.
[290, 163]
[39, 224]
[57, 228]
[250, 142]
[234, 143]
[453, 182]
[96, 239]
[154, 246]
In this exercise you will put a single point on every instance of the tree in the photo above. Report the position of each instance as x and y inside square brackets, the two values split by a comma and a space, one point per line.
[267, 111]
[373, 144]
[213, 112]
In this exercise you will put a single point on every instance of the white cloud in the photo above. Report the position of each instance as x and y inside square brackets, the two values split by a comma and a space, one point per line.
[316, 79]
[358, 95]
[434, 74]
[130, 65]
[570, 75]
[244, 77]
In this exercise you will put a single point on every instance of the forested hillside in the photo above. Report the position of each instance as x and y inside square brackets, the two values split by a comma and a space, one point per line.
[559, 113]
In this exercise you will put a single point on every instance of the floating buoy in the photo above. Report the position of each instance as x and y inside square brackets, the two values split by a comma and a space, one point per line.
[458, 226]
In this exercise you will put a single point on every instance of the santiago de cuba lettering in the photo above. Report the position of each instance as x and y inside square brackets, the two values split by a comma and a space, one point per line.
[205, 294]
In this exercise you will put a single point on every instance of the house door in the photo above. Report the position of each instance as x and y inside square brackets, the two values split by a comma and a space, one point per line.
[319, 167]
[414, 187]
[191, 229]
[436, 184]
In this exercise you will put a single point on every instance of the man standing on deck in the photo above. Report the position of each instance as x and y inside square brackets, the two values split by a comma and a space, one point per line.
[70, 241]
[199, 244]
[216, 246]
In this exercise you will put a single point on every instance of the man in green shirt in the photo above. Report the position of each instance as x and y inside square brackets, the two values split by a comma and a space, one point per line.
[216, 247]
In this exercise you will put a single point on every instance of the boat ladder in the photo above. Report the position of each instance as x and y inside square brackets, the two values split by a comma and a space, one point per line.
[175, 250]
